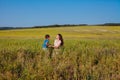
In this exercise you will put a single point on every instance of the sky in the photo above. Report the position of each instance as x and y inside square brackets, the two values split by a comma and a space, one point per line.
[29, 13]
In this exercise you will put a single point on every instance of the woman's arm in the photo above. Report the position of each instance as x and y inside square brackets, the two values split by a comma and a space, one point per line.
[55, 47]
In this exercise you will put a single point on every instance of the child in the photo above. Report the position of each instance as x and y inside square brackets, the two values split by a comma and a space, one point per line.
[46, 42]
[46, 46]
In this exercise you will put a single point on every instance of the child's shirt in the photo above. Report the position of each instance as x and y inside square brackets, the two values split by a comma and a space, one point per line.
[46, 41]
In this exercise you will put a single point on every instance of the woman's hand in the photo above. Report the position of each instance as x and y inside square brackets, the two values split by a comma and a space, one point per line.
[55, 47]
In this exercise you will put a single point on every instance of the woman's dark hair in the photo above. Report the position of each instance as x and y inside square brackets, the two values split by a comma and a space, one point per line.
[47, 36]
[61, 38]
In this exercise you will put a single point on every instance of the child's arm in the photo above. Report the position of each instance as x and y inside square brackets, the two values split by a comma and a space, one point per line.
[48, 45]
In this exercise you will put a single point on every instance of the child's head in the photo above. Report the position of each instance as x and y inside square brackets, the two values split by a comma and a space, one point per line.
[47, 36]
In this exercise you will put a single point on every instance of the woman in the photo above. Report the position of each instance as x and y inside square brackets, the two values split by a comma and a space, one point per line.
[58, 44]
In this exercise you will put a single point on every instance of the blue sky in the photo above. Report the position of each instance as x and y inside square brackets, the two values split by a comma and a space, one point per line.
[28, 13]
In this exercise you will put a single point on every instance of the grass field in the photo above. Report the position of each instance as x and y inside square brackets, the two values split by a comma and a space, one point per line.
[91, 53]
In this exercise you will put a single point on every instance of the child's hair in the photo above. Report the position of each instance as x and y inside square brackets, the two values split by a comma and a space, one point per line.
[47, 36]
[61, 38]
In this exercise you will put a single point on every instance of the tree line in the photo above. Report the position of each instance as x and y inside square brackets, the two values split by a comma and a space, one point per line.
[57, 25]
